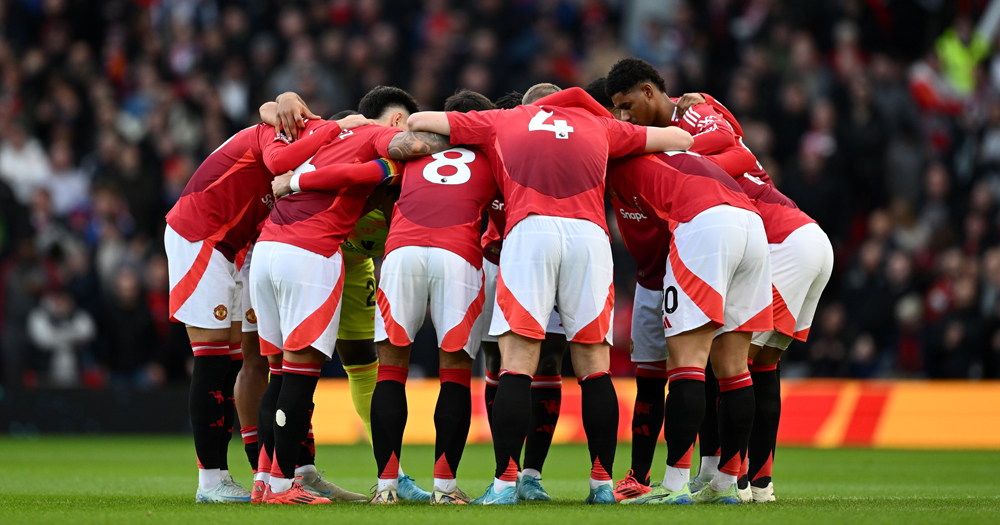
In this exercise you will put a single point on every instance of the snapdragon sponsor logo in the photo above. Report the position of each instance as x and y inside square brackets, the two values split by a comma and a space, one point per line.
[631, 215]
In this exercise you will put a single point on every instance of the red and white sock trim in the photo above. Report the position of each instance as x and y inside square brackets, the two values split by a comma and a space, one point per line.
[491, 379]
[686, 372]
[508, 372]
[546, 381]
[210, 348]
[593, 376]
[651, 370]
[249, 434]
[461, 376]
[392, 373]
[763, 368]
[236, 351]
[274, 368]
[305, 369]
[732, 383]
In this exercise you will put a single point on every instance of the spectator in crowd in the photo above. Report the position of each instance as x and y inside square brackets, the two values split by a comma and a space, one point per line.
[132, 347]
[882, 125]
[58, 328]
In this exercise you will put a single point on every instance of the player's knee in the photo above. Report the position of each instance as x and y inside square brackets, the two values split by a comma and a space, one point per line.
[491, 353]
[390, 355]
[458, 359]
[360, 352]
[768, 355]
[729, 360]
[590, 358]
[255, 368]
[549, 365]
[551, 357]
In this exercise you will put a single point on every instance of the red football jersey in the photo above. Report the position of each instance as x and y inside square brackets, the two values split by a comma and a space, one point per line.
[229, 195]
[548, 159]
[493, 237]
[319, 221]
[780, 214]
[441, 203]
[647, 244]
[712, 133]
[670, 188]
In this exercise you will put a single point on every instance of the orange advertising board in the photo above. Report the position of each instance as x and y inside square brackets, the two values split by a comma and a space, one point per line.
[815, 413]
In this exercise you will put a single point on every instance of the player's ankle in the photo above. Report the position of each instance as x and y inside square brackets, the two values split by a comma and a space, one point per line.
[388, 484]
[674, 478]
[533, 473]
[305, 469]
[208, 478]
[594, 483]
[722, 481]
[279, 485]
[499, 484]
[445, 485]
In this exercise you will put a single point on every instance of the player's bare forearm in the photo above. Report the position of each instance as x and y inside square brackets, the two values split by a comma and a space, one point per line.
[412, 144]
[434, 121]
[667, 139]
[687, 100]
[289, 114]
[269, 113]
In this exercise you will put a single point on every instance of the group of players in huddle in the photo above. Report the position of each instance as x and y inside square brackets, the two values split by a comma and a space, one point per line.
[270, 253]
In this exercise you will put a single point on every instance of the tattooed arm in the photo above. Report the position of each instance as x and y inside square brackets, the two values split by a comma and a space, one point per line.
[412, 144]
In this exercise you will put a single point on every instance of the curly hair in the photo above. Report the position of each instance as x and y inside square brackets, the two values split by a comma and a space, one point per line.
[628, 73]
[597, 89]
[509, 101]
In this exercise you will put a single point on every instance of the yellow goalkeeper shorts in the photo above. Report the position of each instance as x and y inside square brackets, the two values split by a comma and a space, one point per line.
[357, 311]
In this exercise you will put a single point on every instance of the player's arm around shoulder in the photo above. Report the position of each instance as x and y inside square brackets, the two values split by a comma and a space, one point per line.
[670, 138]
[287, 113]
[409, 145]
[433, 121]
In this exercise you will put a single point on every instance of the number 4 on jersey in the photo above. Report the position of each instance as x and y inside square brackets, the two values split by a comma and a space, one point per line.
[558, 127]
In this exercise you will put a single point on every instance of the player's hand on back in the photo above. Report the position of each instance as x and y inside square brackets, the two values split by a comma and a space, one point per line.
[282, 184]
[354, 121]
[291, 113]
[687, 100]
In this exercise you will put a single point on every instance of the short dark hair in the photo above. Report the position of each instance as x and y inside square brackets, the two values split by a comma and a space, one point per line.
[509, 101]
[465, 100]
[374, 104]
[628, 73]
[597, 89]
[345, 113]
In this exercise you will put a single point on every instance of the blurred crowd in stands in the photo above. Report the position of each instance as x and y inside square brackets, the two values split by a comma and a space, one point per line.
[880, 118]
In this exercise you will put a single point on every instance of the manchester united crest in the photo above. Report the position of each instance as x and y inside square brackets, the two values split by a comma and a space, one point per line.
[251, 316]
[221, 312]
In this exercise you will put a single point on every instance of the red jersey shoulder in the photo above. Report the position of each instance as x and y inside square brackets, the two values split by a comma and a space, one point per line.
[360, 144]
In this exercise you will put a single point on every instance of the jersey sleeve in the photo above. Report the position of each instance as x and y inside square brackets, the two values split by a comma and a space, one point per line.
[712, 134]
[473, 128]
[381, 139]
[735, 160]
[624, 138]
[281, 156]
[338, 176]
[724, 111]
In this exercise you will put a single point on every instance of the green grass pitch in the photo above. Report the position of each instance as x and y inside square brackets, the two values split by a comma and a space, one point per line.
[153, 480]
